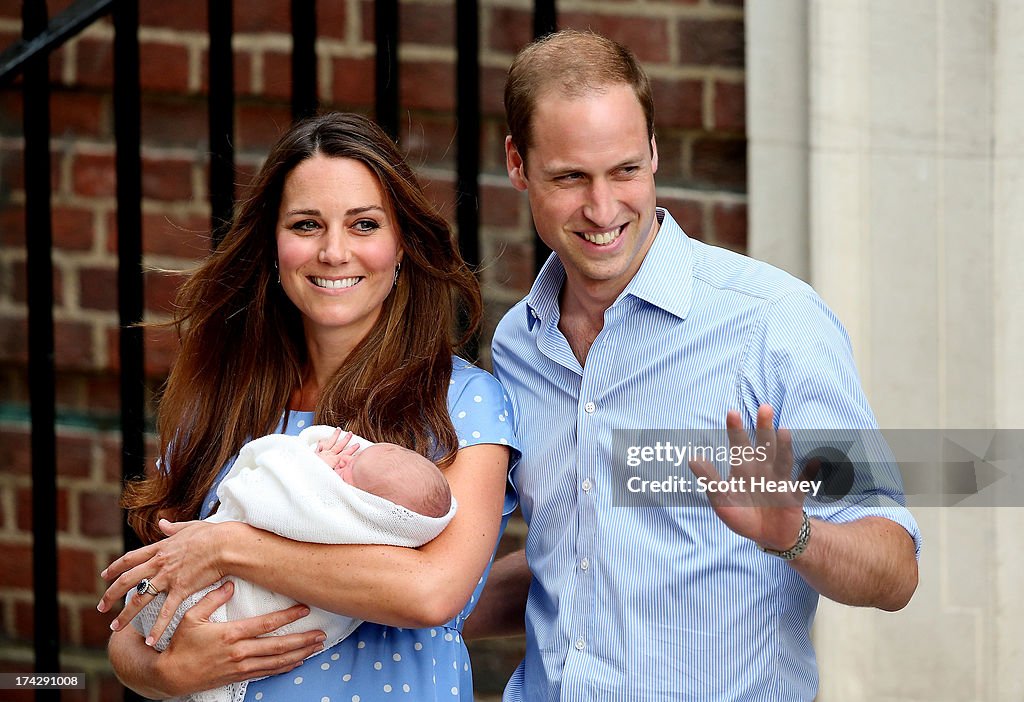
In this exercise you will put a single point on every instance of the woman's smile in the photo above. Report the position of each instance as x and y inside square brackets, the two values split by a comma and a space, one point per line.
[334, 283]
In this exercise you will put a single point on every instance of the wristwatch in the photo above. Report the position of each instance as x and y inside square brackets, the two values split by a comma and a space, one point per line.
[796, 549]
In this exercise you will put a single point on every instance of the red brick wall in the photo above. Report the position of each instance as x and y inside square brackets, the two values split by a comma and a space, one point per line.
[693, 50]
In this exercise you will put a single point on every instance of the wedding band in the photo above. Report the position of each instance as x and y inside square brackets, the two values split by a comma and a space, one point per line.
[145, 587]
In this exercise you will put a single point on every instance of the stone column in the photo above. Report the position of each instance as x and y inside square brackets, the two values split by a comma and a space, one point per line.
[914, 170]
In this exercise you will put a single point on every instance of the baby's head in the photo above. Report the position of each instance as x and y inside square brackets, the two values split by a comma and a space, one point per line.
[400, 476]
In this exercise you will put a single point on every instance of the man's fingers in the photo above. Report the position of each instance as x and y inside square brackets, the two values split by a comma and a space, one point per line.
[811, 469]
[703, 469]
[734, 428]
[784, 453]
[765, 431]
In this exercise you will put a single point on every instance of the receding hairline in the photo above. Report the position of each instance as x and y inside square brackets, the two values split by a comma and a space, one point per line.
[572, 63]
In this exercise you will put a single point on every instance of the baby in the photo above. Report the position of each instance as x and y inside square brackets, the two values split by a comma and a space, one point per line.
[389, 471]
[367, 494]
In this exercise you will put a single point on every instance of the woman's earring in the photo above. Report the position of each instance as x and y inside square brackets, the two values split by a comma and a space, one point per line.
[278, 273]
[398, 267]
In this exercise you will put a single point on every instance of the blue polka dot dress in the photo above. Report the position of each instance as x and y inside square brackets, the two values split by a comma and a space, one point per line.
[379, 662]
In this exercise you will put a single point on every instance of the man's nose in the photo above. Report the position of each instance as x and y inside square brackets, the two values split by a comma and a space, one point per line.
[601, 207]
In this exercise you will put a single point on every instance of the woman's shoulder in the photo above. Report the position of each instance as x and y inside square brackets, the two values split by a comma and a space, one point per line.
[482, 414]
[468, 378]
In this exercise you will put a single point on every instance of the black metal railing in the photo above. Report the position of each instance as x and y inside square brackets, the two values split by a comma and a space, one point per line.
[221, 117]
[42, 375]
[128, 166]
[385, 19]
[545, 21]
[28, 58]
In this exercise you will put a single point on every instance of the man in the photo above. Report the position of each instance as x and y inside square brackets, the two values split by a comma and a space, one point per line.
[633, 330]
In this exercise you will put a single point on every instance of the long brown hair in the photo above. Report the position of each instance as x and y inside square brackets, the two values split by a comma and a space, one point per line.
[243, 351]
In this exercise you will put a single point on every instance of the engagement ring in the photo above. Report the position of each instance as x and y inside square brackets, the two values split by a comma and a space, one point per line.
[146, 588]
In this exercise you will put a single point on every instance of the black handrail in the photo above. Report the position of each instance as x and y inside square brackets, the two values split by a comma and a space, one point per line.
[545, 21]
[545, 18]
[221, 106]
[467, 118]
[41, 373]
[64, 26]
[385, 21]
[130, 283]
[304, 93]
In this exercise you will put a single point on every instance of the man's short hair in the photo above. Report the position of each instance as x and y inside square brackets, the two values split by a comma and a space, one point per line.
[573, 63]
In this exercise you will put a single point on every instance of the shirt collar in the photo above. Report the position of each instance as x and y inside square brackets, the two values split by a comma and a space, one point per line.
[664, 279]
[542, 302]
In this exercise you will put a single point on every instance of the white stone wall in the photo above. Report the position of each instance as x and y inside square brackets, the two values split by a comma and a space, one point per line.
[887, 168]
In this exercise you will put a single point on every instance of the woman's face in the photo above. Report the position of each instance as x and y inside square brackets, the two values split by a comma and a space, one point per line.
[337, 247]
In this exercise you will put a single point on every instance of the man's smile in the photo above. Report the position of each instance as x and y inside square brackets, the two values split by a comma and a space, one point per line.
[603, 238]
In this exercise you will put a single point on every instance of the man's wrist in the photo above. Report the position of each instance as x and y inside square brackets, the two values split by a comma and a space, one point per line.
[802, 539]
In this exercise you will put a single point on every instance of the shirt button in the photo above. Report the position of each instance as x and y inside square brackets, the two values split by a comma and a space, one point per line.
[584, 564]
[589, 407]
[586, 485]
[580, 644]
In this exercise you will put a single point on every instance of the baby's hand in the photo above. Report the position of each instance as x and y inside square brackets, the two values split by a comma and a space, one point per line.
[335, 450]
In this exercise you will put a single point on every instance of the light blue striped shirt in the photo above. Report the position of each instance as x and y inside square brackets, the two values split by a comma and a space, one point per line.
[643, 597]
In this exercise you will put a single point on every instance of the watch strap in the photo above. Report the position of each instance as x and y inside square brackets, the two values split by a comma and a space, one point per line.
[799, 547]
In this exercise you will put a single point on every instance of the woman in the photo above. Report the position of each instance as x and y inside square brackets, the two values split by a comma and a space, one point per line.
[332, 301]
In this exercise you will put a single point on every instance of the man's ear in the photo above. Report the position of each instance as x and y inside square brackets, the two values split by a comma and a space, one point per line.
[515, 165]
[654, 155]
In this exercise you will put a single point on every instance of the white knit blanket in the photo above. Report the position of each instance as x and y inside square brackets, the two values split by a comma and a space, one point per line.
[279, 484]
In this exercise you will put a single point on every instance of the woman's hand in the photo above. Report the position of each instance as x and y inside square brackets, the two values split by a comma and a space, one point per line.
[183, 563]
[203, 655]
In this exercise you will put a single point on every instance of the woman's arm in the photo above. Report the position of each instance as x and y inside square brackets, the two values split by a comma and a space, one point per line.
[386, 584]
[203, 655]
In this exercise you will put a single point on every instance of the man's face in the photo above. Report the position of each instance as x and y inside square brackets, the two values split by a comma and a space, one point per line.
[590, 178]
